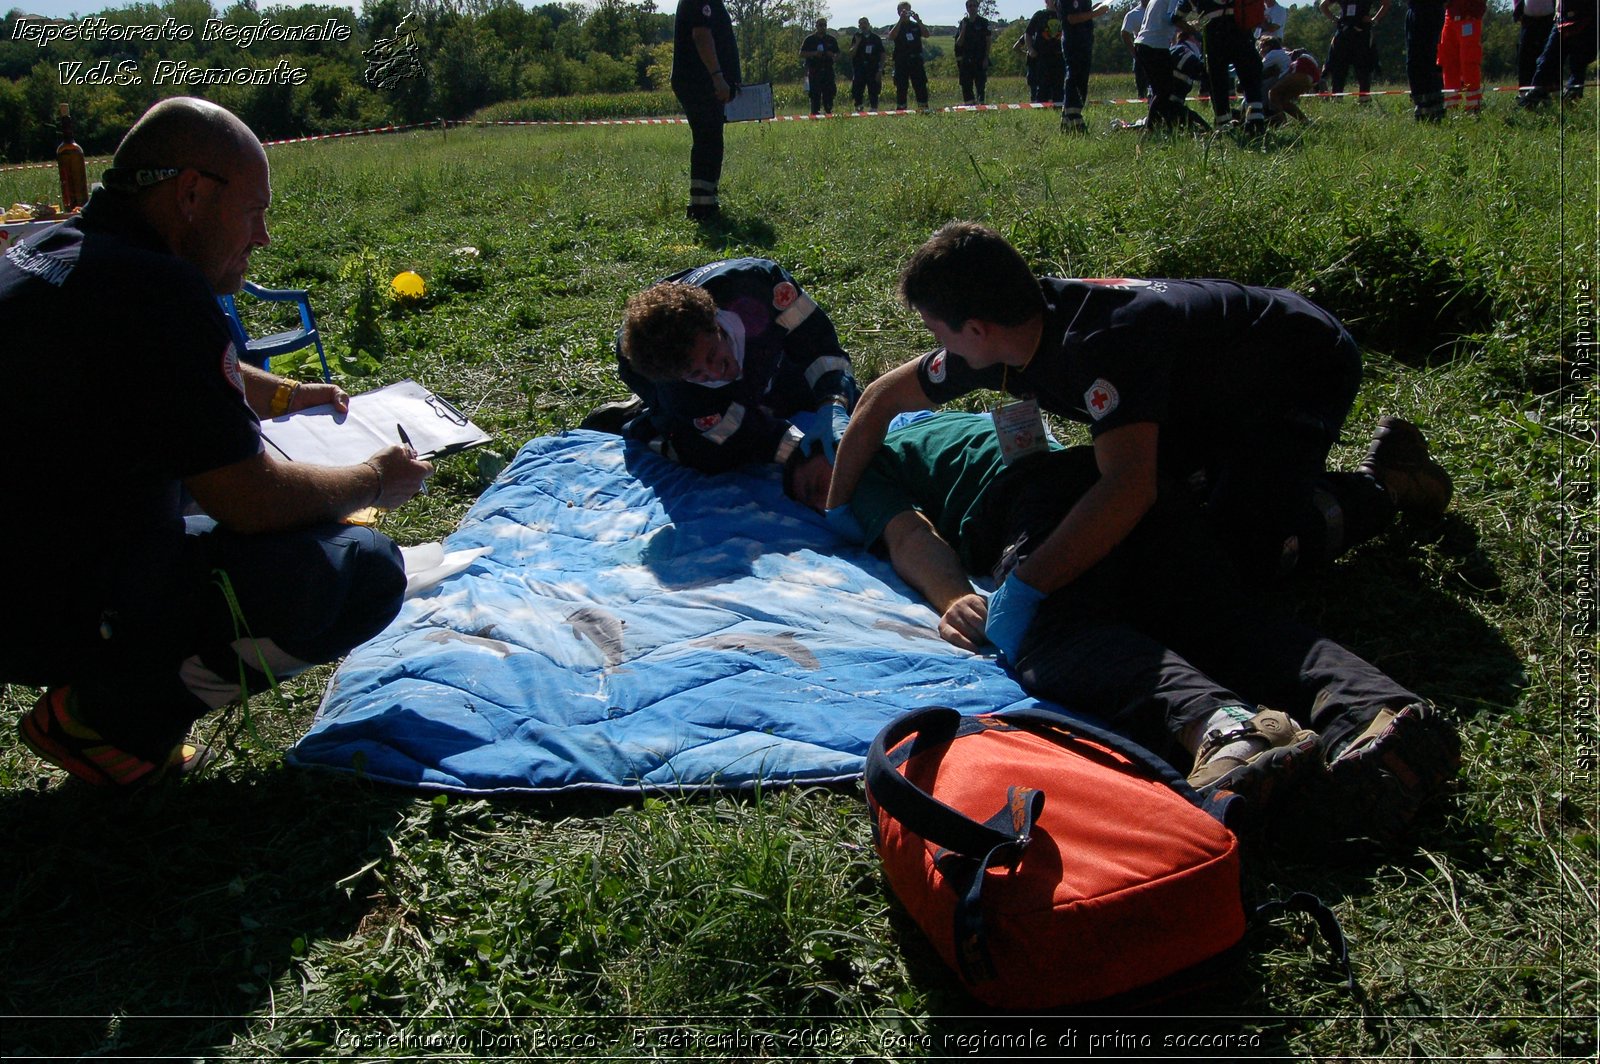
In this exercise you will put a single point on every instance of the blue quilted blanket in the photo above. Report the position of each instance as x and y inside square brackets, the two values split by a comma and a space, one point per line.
[637, 625]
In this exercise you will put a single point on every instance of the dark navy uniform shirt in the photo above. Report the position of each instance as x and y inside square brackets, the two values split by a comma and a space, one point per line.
[792, 362]
[1044, 32]
[908, 43]
[976, 48]
[820, 67]
[1193, 356]
[1355, 13]
[123, 382]
[1077, 7]
[869, 56]
[689, 73]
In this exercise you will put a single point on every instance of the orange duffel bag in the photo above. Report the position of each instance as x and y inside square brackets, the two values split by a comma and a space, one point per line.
[1050, 862]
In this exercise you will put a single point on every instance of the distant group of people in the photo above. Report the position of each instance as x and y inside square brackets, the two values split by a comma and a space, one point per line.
[1175, 45]
[867, 50]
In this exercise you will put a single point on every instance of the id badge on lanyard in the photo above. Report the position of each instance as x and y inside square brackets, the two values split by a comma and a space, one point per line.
[1019, 428]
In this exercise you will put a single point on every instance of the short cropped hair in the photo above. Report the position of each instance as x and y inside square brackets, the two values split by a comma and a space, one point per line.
[661, 324]
[184, 131]
[967, 271]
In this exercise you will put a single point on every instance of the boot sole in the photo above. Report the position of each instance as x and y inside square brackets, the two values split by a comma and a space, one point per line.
[1385, 783]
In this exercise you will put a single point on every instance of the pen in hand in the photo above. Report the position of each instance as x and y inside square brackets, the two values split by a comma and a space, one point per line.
[405, 439]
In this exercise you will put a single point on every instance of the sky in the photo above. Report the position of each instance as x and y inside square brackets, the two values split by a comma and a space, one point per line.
[843, 12]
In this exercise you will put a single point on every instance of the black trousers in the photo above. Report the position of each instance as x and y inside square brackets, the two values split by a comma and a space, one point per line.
[1424, 25]
[912, 73]
[1049, 77]
[823, 91]
[168, 646]
[867, 86]
[1352, 48]
[1168, 93]
[706, 121]
[1228, 42]
[974, 78]
[1160, 634]
[1532, 35]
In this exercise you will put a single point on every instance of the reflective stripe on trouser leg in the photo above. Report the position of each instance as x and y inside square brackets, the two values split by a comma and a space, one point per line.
[702, 193]
[1332, 514]
[257, 662]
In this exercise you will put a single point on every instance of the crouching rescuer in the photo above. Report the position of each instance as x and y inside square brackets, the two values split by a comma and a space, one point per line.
[137, 622]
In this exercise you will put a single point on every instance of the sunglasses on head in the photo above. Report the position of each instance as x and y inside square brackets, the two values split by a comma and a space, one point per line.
[127, 179]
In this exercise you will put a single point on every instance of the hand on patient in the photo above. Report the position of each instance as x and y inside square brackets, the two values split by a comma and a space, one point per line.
[1011, 610]
[963, 622]
[827, 429]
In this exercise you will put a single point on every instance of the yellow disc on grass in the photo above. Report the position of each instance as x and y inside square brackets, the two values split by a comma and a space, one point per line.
[407, 285]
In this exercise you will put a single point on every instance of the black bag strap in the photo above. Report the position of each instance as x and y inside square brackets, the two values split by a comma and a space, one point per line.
[1326, 920]
[924, 814]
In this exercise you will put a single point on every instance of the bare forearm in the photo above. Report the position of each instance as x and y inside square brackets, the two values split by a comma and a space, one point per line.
[893, 393]
[925, 561]
[264, 494]
[928, 563]
[260, 387]
[285, 495]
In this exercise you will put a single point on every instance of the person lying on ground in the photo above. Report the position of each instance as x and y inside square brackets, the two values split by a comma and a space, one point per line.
[1153, 639]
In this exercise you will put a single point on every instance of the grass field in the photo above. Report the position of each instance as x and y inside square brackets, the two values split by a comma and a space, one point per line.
[266, 912]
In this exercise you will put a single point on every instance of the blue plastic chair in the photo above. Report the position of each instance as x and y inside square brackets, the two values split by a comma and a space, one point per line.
[261, 350]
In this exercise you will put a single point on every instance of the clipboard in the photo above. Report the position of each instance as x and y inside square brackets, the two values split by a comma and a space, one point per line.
[322, 435]
[753, 104]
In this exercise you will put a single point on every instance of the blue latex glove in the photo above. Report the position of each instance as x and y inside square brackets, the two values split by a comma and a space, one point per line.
[827, 429]
[1011, 610]
[843, 521]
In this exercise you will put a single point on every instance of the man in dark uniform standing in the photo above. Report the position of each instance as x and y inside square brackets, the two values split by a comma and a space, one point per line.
[1352, 44]
[866, 60]
[1228, 41]
[1044, 48]
[972, 54]
[722, 356]
[1534, 19]
[1574, 40]
[907, 35]
[1077, 51]
[137, 621]
[1239, 390]
[1424, 24]
[819, 50]
[705, 76]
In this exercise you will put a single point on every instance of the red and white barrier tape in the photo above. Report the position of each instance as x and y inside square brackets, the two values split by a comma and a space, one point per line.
[673, 121]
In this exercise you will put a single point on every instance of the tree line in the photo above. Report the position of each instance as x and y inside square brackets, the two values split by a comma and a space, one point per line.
[314, 68]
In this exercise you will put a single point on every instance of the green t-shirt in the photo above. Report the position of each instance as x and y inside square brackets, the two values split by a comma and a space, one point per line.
[941, 465]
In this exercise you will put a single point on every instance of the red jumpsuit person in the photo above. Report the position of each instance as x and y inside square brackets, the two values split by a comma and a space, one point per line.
[1461, 54]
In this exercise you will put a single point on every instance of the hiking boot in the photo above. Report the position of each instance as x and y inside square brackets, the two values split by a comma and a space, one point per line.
[53, 731]
[1396, 765]
[1282, 751]
[611, 417]
[1398, 459]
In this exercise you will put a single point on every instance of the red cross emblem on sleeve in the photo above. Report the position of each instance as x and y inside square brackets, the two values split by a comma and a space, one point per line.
[1100, 399]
